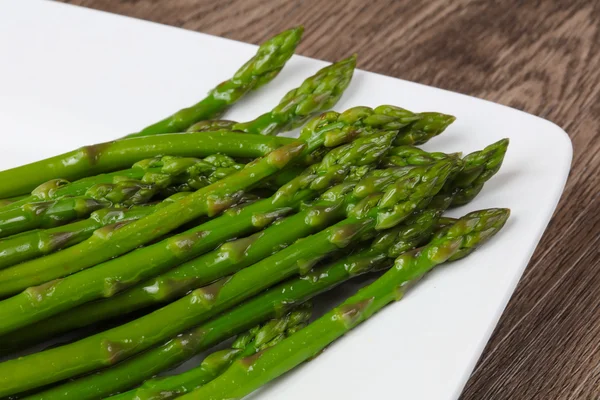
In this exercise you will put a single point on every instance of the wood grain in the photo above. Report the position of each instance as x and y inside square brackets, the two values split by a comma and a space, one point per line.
[539, 56]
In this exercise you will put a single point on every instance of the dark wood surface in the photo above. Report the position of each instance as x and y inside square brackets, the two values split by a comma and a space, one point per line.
[542, 57]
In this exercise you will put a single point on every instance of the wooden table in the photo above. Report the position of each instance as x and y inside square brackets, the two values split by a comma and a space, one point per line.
[542, 57]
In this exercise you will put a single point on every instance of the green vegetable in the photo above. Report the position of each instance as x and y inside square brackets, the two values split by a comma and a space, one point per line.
[131, 268]
[268, 304]
[376, 211]
[429, 125]
[253, 341]
[10, 200]
[330, 129]
[47, 214]
[29, 245]
[318, 93]
[470, 174]
[249, 373]
[176, 174]
[109, 242]
[259, 70]
[479, 167]
[163, 170]
[400, 156]
[120, 154]
[413, 128]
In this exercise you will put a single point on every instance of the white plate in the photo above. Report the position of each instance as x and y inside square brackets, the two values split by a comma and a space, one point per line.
[72, 76]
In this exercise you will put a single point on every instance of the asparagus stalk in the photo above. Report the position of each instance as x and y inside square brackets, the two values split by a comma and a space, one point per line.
[228, 259]
[48, 214]
[400, 156]
[314, 136]
[120, 154]
[152, 170]
[212, 125]
[318, 93]
[256, 339]
[376, 211]
[109, 242]
[429, 125]
[413, 128]
[259, 70]
[176, 174]
[30, 245]
[331, 129]
[469, 175]
[130, 269]
[479, 167]
[269, 304]
[249, 373]
[10, 200]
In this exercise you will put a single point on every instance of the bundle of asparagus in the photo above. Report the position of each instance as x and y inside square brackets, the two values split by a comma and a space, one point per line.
[195, 230]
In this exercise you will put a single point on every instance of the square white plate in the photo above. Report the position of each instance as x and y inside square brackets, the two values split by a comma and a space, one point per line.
[71, 76]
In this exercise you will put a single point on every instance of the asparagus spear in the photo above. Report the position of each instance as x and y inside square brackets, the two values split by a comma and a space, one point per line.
[106, 279]
[109, 242]
[349, 161]
[479, 167]
[29, 245]
[256, 339]
[470, 174]
[6, 201]
[318, 93]
[249, 373]
[48, 214]
[212, 125]
[269, 304]
[413, 128]
[313, 134]
[259, 70]
[430, 125]
[59, 188]
[163, 170]
[376, 211]
[120, 154]
[400, 156]
[228, 259]
[110, 156]
[176, 174]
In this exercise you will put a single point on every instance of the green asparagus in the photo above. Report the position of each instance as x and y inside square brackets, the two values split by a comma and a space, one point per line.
[130, 269]
[400, 156]
[479, 167]
[330, 129]
[275, 301]
[429, 125]
[109, 242]
[177, 174]
[163, 170]
[30, 245]
[247, 344]
[259, 70]
[375, 211]
[413, 128]
[318, 93]
[6, 201]
[120, 154]
[228, 259]
[249, 373]
[470, 174]
[48, 214]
